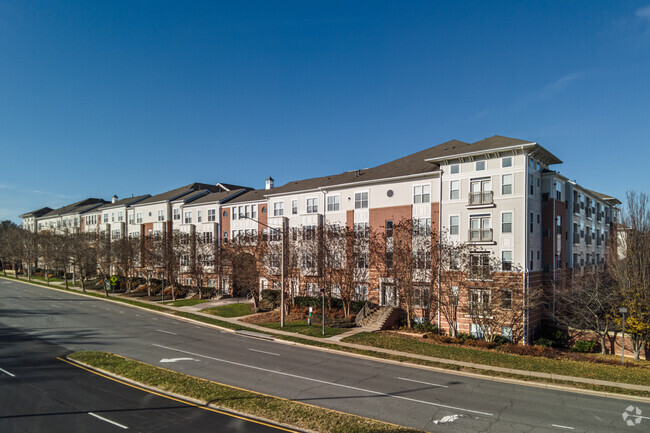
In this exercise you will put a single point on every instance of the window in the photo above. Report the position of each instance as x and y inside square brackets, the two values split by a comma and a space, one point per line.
[532, 222]
[294, 207]
[312, 205]
[389, 260]
[531, 185]
[531, 164]
[242, 213]
[225, 236]
[389, 229]
[506, 260]
[479, 265]
[247, 211]
[131, 217]
[558, 190]
[479, 300]
[234, 213]
[506, 222]
[361, 292]
[422, 227]
[506, 161]
[480, 191]
[199, 216]
[506, 332]
[532, 263]
[361, 230]
[276, 235]
[308, 233]
[139, 217]
[185, 260]
[105, 218]
[113, 217]
[422, 194]
[454, 190]
[333, 202]
[506, 184]
[361, 200]
[120, 216]
[177, 214]
[188, 217]
[454, 225]
[161, 215]
[309, 261]
[207, 237]
[479, 228]
[422, 259]
[278, 208]
[361, 260]
[212, 215]
[480, 165]
[454, 169]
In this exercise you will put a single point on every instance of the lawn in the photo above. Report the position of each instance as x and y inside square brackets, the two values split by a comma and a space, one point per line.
[639, 375]
[185, 302]
[301, 327]
[230, 310]
[301, 415]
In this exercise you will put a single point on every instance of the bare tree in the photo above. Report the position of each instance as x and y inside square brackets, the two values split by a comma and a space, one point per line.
[631, 271]
[590, 304]
[83, 255]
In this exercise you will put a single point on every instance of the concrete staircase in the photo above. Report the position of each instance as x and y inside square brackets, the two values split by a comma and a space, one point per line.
[376, 318]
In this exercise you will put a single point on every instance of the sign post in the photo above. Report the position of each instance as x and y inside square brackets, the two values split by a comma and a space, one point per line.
[309, 318]
[113, 283]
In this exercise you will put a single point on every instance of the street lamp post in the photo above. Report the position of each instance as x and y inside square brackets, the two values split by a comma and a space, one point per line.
[623, 310]
[281, 265]
[322, 308]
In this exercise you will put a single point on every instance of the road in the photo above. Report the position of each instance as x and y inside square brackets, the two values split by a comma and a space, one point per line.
[40, 393]
[420, 398]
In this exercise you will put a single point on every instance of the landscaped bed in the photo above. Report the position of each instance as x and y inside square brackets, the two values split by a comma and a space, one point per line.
[632, 372]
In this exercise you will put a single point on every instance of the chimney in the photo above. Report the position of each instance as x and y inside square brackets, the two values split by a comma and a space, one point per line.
[269, 183]
[114, 199]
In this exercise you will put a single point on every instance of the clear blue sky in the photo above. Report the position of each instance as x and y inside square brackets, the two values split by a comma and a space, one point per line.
[114, 97]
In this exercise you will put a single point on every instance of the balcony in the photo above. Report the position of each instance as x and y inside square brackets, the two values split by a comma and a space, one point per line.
[576, 208]
[480, 235]
[576, 238]
[481, 198]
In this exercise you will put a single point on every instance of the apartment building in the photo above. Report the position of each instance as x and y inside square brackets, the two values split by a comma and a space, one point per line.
[111, 218]
[500, 196]
[29, 218]
[66, 219]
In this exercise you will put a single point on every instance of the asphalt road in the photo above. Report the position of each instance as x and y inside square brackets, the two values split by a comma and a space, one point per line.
[415, 397]
[40, 393]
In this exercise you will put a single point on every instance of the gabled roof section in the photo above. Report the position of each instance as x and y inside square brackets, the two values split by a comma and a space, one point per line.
[126, 201]
[86, 204]
[36, 213]
[230, 187]
[217, 197]
[495, 143]
[250, 196]
[604, 197]
[178, 193]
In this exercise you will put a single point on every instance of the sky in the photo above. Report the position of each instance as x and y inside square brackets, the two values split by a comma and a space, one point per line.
[138, 97]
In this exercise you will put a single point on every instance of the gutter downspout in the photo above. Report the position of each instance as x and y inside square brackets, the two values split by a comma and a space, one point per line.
[524, 276]
[439, 246]
[554, 189]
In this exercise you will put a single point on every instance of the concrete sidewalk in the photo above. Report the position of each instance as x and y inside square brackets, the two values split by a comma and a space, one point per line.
[336, 340]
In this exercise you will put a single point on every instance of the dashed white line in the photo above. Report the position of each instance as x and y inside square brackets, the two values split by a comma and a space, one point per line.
[166, 332]
[55, 306]
[424, 383]
[261, 351]
[7, 373]
[399, 397]
[108, 420]
[563, 426]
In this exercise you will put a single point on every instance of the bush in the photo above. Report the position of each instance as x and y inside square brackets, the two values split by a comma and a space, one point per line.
[585, 346]
[559, 338]
[464, 337]
[501, 340]
[543, 342]
[426, 327]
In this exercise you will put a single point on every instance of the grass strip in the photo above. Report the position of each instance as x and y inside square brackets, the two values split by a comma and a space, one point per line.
[230, 310]
[633, 373]
[275, 409]
[301, 327]
[185, 302]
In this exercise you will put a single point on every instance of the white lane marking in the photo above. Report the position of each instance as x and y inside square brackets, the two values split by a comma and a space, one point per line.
[55, 306]
[399, 397]
[154, 318]
[166, 332]
[178, 359]
[446, 419]
[7, 373]
[137, 315]
[425, 383]
[563, 426]
[108, 420]
[261, 351]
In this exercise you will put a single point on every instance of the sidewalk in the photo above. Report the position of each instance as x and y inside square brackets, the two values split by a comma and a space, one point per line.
[336, 340]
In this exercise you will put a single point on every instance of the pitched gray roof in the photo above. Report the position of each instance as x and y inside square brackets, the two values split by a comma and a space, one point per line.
[125, 201]
[248, 196]
[86, 204]
[179, 192]
[217, 197]
[36, 213]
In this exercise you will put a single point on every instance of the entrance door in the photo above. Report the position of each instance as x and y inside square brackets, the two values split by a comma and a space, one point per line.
[388, 295]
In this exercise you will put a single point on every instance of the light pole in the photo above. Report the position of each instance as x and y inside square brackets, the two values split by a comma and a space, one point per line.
[623, 310]
[281, 264]
[322, 308]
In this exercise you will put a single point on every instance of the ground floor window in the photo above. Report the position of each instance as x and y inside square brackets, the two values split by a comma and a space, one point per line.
[361, 292]
[475, 331]
[506, 332]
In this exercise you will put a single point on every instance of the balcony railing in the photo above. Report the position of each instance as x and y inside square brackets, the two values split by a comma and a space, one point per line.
[576, 207]
[480, 235]
[576, 238]
[480, 198]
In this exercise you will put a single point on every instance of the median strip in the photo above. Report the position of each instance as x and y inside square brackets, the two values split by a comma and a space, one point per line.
[270, 408]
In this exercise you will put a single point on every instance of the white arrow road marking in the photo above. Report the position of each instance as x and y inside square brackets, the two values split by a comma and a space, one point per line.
[178, 359]
[425, 383]
[261, 351]
[108, 420]
[446, 419]
[166, 332]
[384, 394]
[7, 373]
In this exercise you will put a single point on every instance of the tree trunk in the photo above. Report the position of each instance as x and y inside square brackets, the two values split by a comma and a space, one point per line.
[83, 286]
[16, 270]
[612, 342]
[65, 277]
[4, 270]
